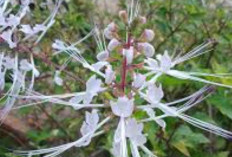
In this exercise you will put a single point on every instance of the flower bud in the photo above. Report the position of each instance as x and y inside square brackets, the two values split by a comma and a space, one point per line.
[113, 44]
[148, 35]
[108, 34]
[112, 27]
[110, 30]
[123, 15]
[147, 48]
[102, 56]
[143, 19]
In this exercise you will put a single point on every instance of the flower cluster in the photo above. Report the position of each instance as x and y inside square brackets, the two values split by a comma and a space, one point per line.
[15, 32]
[128, 56]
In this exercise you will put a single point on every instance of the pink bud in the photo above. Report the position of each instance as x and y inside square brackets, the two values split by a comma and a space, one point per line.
[123, 14]
[113, 44]
[143, 19]
[110, 30]
[112, 27]
[149, 34]
[147, 48]
[102, 56]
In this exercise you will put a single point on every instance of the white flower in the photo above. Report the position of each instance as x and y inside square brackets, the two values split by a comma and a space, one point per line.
[93, 87]
[99, 65]
[57, 79]
[133, 128]
[39, 27]
[134, 131]
[154, 93]
[7, 36]
[123, 107]
[139, 80]
[152, 64]
[2, 20]
[77, 99]
[113, 44]
[26, 66]
[129, 54]
[165, 62]
[59, 45]
[110, 75]
[89, 126]
[27, 29]
[26, 2]
[12, 21]
[8, 62]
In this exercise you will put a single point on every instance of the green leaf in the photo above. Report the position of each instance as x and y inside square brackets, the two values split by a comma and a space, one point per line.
[181, 146]
[185, 138]
[222, 101]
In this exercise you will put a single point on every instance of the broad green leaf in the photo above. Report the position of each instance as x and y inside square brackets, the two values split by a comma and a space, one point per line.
[223, 102]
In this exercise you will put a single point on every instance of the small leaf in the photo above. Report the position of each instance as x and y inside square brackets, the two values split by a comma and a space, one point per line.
[181, 146]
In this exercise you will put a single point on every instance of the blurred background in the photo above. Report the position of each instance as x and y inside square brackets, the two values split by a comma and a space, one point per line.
[179, 25]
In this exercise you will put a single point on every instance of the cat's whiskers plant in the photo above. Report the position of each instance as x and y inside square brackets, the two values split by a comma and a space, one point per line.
[11, 24]
[130, 74]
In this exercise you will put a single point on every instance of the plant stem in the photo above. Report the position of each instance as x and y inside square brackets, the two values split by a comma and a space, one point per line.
[124, 66]
[124, 73]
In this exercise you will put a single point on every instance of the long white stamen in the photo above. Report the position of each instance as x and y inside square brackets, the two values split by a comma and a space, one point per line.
[134, 148]
[15, 89]
[123, 145]
[147, 151]
[72, 46]
[206, 126]
[186, 75]
[194, 53]
[50, 21]
[60, 149]
[220, 75]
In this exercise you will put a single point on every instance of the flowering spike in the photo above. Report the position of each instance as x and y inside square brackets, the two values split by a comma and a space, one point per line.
[130, 76]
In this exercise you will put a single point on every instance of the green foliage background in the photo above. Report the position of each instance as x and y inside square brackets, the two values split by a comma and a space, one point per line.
[179, 25]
